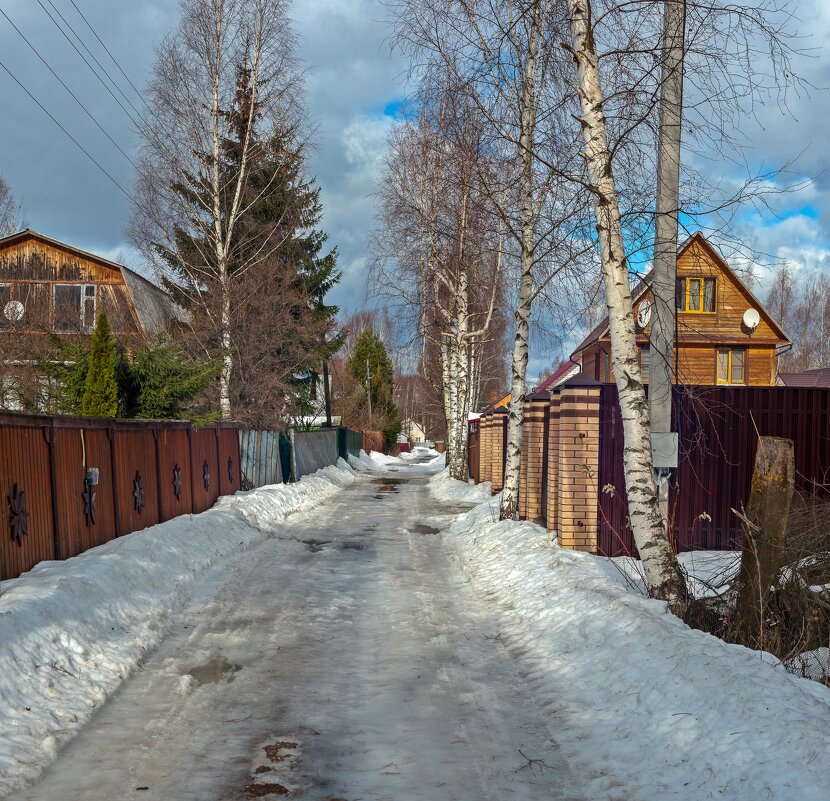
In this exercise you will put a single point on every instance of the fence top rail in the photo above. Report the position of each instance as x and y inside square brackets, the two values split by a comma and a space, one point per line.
[25, 420]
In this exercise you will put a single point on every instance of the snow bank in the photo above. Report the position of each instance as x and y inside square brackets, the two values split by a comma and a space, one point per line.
[72, 631]
[377, 462]
[643, 707]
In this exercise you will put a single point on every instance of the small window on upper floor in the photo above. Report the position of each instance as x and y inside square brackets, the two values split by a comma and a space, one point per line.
[89, 307]
[67, 314]
[696, 294]
[731, 366]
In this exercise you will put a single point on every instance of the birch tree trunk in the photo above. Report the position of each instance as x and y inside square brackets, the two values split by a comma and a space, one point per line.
[662, 570]
[509, 508]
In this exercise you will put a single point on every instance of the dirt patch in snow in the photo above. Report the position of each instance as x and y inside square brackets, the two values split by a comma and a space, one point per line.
[421, 528]
[214, 671]
[261, 790]
[275, 752]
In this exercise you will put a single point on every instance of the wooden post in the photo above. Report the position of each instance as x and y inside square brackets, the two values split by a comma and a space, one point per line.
[765, 530]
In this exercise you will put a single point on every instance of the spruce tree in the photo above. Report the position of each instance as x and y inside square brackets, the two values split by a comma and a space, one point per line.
[282, 329]
[371, 366]
[100, 398]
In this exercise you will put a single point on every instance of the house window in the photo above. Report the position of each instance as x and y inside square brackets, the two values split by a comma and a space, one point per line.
[603, 367]
[731, 366]
[67, 308]
[645, 362]
[89, 307]
[75, 307]
[695, 294]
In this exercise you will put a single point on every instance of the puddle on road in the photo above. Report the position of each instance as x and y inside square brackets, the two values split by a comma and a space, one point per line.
[315, 546]
[352, 546]
[214, 671]
[421, 528]
[387, 484]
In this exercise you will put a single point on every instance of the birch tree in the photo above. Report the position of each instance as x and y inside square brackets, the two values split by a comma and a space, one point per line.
[503, 56]
[220, 48]
[439, 248]
[727, 42]
[11, 218]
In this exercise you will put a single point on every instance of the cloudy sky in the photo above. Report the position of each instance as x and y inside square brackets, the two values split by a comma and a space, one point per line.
[353, 86]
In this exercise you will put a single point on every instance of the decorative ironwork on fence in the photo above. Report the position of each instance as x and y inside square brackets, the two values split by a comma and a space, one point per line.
[72, 483]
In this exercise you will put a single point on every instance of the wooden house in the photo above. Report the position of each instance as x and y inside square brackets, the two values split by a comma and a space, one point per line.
[50, 287]
[714, 345]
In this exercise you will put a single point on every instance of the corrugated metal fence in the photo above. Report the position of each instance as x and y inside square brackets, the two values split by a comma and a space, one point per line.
[273, 457]
[148, 471]
[719, 428]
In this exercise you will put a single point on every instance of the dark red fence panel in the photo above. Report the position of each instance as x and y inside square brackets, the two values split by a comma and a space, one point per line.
[136, 479]
[719, 429]
[205, 466]
[474, 451]
[145, 474]
[228, 450]
[85, 518]
[174, 479]
[26, 496]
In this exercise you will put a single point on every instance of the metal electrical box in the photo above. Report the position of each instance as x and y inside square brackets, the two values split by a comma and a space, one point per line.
[664, 450]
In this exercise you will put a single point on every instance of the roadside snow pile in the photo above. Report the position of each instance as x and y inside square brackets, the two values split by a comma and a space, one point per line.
[643, 707]
[72, 631]
[708, 573]
[377, 462]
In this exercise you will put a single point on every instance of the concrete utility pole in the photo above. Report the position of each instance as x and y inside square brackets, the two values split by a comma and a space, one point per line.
[369, 390]
[664, 278]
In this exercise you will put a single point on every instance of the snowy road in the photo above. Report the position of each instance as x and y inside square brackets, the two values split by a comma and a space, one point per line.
[348, 658]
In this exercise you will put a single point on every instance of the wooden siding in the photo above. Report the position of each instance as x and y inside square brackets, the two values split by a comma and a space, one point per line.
[30, 268]
[700, 334]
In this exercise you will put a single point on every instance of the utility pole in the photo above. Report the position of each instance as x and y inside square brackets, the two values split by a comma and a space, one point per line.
[327, 392]
[369, 391]
[664, 277]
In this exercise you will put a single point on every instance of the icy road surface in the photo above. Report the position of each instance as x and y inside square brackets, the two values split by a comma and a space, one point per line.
[345, 659]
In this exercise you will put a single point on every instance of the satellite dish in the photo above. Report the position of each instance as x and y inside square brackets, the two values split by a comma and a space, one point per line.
[13, 311]
[751, 319]
[643, 314]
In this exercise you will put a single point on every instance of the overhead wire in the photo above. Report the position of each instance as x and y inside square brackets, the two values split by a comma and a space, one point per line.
[93, 57]
[91, 68]
[109, 53]
[71, 93]
[69, 135]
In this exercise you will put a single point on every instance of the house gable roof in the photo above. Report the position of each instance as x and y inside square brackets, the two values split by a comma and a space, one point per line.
[644, 284]
[152, 306]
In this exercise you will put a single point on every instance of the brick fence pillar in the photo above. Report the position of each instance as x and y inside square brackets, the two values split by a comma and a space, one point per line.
[533, 453]
[485, 472]
[578, 467]
[497, 452]
[552, 492]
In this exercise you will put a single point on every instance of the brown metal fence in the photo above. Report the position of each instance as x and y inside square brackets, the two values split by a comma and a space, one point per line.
[473, 451]
[148, 471]
[719, 429]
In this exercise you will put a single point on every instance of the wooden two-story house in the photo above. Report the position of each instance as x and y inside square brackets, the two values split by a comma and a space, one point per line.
[50, 287]
[714, 344]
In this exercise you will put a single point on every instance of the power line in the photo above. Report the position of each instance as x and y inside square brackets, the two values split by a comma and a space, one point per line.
[92, 56]
[77, 143]
[73, 95]
[91, 68]
[109, 53]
